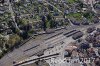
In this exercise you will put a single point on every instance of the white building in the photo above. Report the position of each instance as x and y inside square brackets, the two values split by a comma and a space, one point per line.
[89, 1]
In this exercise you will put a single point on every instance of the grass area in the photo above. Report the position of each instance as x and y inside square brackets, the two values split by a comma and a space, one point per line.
[71, 1]
[77, 16]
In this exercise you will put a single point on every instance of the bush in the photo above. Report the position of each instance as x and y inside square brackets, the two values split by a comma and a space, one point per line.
[13, 40]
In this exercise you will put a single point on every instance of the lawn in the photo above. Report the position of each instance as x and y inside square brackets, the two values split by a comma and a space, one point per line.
[71, 1]
[77, 16]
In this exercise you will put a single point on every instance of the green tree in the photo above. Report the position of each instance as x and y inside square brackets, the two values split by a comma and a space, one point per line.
[13, 39]
[52, 24]
[2, 41]
[89, 15]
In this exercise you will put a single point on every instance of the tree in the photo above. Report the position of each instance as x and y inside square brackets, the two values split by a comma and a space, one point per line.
[49, 17]
[31, 1]
[52, 24]
[31, 32]
[13, 39]
[2, 41]
[89, 15]
[81, 5]
[50, 7]
[50, 20]
[44, 22]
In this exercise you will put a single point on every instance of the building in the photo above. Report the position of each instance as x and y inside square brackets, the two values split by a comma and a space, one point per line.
[89, 1]
[77, 35]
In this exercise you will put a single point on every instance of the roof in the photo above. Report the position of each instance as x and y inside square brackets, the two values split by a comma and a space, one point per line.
[70, 47]
[77, 35]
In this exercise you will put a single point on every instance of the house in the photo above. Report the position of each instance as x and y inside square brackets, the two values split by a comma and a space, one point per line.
[16, 0]
[97, 8]
[3, 27]
[2, 1]
[89, 1]
[84, 21]
[90, 29]
[98, 38]
[37, 24]
[98, 30]
[59, 20]
[99, 51]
